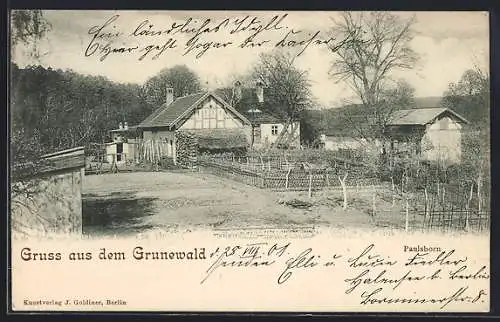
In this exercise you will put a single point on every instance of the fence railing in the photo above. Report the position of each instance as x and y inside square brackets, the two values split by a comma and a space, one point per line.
[455, 220]
[281, 179]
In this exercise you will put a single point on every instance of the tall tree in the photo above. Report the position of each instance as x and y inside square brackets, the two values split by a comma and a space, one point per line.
[470, 96]
[287, 88]
[28, 27]
[183, 80]
[377, 44]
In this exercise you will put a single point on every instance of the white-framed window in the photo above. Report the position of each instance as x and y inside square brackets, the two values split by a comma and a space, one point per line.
[274, 129]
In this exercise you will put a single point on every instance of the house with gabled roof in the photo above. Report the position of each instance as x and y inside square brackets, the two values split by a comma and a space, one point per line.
[433, 133]
[203, 114]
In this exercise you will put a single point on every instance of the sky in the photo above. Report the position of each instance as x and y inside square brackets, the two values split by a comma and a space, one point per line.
[448, 44]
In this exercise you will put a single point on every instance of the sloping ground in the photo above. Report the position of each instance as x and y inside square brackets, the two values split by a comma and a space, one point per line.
[128, 203]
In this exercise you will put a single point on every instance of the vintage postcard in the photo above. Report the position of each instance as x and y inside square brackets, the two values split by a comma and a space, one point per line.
[258, 161]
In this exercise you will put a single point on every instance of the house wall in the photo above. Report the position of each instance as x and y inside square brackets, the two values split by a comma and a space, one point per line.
[168, 137]
[129, 152]
[53, 205]
[267, 136]
[56, 208]
[211, 115]
[442, 141]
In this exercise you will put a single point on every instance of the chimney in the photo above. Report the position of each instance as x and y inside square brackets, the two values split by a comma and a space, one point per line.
[125, 126]
[120, 126]
[237, 91]
[170, 95]
[259, 91]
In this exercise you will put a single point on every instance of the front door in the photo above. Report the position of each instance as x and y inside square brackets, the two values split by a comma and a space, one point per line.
[119, 151]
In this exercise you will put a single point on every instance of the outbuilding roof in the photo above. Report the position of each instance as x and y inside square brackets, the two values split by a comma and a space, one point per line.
[422, 116]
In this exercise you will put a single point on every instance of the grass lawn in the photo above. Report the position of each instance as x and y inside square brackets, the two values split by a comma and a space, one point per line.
[129, 203]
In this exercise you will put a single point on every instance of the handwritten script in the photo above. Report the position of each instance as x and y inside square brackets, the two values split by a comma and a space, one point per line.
[372, 277]
[197, 37]
[409, 277]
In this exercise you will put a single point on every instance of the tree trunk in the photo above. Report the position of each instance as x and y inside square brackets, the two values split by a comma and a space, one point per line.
[279, 139]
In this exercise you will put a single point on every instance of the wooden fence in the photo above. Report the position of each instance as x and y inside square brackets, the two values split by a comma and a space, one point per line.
[226, 171]
[456, 220]
[278, 179]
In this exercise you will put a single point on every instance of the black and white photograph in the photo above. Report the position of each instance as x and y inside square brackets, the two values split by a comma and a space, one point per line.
[262, 126]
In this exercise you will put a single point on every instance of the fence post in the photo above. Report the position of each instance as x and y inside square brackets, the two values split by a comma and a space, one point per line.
[310, 184]
[468, 207]
[286, 178]
[393, 192]
[407, 214]
[427, 210]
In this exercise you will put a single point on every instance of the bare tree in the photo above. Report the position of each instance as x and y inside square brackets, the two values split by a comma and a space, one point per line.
[287, 90]
[377, 44]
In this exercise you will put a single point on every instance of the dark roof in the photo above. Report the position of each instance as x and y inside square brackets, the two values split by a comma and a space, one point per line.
[422, 116]
[169, 115]
[69, 159]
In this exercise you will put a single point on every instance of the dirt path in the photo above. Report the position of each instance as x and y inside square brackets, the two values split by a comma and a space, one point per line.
[128, 203]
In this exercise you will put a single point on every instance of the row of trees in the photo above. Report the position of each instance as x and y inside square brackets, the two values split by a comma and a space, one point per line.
[63, 109]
